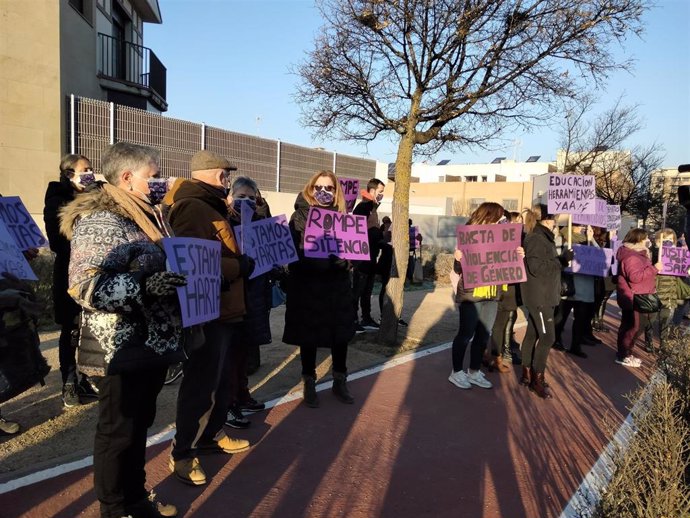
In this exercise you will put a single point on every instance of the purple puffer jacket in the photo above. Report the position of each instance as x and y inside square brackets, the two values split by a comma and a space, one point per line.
[636, 275]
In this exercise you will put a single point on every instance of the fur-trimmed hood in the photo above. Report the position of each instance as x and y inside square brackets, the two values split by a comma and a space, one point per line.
[87, 203]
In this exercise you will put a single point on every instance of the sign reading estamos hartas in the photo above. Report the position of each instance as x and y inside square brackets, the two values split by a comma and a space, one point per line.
[489, 254]
[20, 224]
[269, 243]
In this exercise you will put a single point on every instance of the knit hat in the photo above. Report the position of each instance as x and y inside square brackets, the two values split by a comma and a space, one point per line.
[205, 159]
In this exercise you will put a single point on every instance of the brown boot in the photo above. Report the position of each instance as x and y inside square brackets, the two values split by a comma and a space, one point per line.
[526, 377]
[539, 386]
[499, 365]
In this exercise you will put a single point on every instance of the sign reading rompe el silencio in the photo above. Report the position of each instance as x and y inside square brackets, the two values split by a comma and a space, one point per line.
[350, 187]
[489, 254]
[329, 232]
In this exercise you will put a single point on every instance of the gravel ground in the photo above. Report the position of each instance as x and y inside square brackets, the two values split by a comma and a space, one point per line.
[53, 435]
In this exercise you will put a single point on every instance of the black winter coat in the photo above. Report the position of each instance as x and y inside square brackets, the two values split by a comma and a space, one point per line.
[543, 286]
[374, 235]
[319, 307]
[59, 194]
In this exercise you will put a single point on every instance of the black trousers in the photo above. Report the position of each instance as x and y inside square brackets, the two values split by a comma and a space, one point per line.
[582, 321]
[204, 396]
[126, 409]
[502, 332]
[539, 338]
[308, 359]
[362, 287]
[67, 353]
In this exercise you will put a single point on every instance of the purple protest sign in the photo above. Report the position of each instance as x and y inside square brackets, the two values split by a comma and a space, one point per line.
[199, 261]
[329, 232]
[598, 219]
[350, 187]
[11, 258]
[675, 260]
[613, 221]
[591, 260]
[615, 245]
[20, 224]
[269, 242]
[489, 254]
[571, 194]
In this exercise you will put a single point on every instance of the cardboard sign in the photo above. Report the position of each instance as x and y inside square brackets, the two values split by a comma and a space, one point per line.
[598, 219]
[21, 225]
[350, 187]
[332, 233]
[269, 242]
[675, 260]
[571, 194]
[590, 260]
[615, 245]
[613, 221]
[199, 260]
[11, 258]
[489, 254]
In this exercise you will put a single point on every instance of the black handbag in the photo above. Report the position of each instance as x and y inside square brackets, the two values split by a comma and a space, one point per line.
[646, 303]
[567, 285]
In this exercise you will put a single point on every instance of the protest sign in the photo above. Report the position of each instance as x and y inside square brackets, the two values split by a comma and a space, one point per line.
[11, 258]
[269, 242]
[350, 187]
[590, 260]
[675, 260]
[489, 254]
[332, 233]
[199, 261]
[20, 224]
[571, 194]
[613, 221]
[615, 245]
[598, 219]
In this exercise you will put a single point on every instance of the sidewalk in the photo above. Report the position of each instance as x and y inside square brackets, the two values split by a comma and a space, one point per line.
[413, 445]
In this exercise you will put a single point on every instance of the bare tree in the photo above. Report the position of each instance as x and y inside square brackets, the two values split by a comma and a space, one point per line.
[434, 73]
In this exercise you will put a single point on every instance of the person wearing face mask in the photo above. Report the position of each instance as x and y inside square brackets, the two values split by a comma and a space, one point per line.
[255, 329]
[198, 208]
[364, 272]
[76, 174]
[319, 308]
[131, 326]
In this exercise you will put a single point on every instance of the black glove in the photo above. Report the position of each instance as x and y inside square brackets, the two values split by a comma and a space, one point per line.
[568, 255]
[337, 262]
[247, 265]
[161, 284]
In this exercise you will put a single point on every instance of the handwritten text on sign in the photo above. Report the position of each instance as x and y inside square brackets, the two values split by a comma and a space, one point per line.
[571, 194]
[613, 221]
[332, 233]
[11, 258]
[590, 260]
[489, 254]
[21, 225]
[675, 260]
[350, 187]
[269, 243]
[199, 260]
[598, 219]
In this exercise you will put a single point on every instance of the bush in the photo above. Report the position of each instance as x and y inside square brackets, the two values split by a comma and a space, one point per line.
[43, 268]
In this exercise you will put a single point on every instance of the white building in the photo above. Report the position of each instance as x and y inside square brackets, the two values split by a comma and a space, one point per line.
[499, 170]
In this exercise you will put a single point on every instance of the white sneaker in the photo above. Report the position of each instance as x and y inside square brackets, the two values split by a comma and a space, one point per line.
[459, 379]
[477, 378]
[629, 361]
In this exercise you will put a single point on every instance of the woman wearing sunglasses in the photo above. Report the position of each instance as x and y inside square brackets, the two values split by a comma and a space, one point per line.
[319, 306]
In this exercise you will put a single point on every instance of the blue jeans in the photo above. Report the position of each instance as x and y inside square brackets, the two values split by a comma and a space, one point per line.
[476, 321]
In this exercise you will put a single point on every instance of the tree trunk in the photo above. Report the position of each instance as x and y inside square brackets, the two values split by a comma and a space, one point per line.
[393, 300]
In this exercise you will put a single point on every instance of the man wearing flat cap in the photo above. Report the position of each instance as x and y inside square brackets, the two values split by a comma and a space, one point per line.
[198, 209]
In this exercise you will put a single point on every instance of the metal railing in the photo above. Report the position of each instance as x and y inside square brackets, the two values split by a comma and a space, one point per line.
[130, 63]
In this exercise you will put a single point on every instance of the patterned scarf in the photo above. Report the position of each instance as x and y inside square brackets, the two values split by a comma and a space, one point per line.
[137, 209]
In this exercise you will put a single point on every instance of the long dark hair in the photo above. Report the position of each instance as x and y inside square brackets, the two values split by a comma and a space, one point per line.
[487, 213]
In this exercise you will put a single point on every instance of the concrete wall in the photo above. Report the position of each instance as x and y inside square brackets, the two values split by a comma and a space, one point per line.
[30, 147]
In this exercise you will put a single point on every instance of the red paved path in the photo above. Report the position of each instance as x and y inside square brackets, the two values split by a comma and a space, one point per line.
[413, 445]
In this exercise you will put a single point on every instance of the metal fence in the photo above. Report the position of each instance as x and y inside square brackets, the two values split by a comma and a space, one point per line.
[275, 165]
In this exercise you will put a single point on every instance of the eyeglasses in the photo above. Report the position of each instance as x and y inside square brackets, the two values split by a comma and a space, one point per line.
[328, 188]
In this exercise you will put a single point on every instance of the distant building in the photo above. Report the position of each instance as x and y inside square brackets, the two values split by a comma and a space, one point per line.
[668, 180]
[54, 48]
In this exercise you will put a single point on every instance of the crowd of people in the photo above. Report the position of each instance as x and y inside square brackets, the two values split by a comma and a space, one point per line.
[121, 333]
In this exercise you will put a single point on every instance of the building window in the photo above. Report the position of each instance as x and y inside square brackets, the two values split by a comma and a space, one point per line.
[475, 203]
[470, 178]
[485, 179]
[511, 205]
[83, 7]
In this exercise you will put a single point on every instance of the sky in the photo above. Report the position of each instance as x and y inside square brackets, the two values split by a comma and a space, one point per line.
[229, 65]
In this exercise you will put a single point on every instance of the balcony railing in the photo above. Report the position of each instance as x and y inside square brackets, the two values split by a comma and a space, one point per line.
[130, 63]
